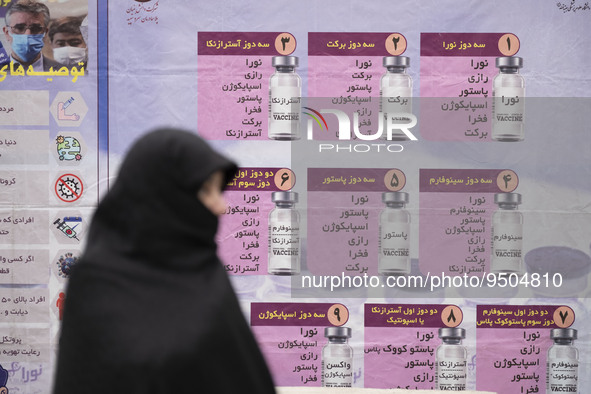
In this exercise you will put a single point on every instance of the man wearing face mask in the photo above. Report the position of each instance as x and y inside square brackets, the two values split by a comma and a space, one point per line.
[69, 46]
[26, 25]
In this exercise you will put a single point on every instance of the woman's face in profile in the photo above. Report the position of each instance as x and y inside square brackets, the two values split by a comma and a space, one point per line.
[210, 193]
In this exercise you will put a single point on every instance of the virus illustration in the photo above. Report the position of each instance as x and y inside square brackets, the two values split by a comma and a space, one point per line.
[65, 263]
[69, 188]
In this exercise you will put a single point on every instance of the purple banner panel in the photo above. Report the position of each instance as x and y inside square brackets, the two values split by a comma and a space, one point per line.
[290, 314]
[512, 361]
[347, 44]
[238, 43]
[441, 180]
[524, 316]
[412, 315]
[258, 178]
[347, 179]
[461, 44]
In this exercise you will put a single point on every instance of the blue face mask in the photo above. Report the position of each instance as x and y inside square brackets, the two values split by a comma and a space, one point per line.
[27, 46]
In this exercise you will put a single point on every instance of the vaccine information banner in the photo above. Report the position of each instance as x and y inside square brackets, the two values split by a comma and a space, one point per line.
[412, 207]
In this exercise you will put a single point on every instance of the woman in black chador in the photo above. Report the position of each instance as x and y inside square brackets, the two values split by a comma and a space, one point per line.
[149, 307]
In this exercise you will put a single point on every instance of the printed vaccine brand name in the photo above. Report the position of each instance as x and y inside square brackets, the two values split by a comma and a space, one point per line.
[346, 132]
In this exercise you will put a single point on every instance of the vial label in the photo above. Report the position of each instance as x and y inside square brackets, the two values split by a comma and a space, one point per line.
[508, 110]
[284, 111]
[451, 374]
[337, 372]
[395, 102]
[562, 375]
[507, 241]
[284, 246]
[394, 247]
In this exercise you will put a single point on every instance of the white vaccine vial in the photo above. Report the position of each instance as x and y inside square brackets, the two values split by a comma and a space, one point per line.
[507, 234]
[337, 358]
[396, 93]
[508, 100]
[394, 235]
[284, 235]
[451, 360]
[562, 374]
[285, 91]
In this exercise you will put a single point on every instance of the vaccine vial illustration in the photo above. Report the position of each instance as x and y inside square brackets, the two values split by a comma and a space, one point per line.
[396, 93]
[563, 362]
[285, 91]
[508, 100]
[284, 235]
[337, 358]
[394, 235]
[451, 360]
[507, 234]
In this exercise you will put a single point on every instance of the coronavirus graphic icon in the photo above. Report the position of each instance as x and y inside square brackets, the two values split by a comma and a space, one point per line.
[69, 187]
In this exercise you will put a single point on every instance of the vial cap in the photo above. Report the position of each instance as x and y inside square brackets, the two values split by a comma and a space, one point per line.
[396, 61]
[563, 333]
[509, 61]
[452, 332]
[339, 332]
[508, 198]
[573, 264]
[284, 197]
[395, 197]
[284, 61]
